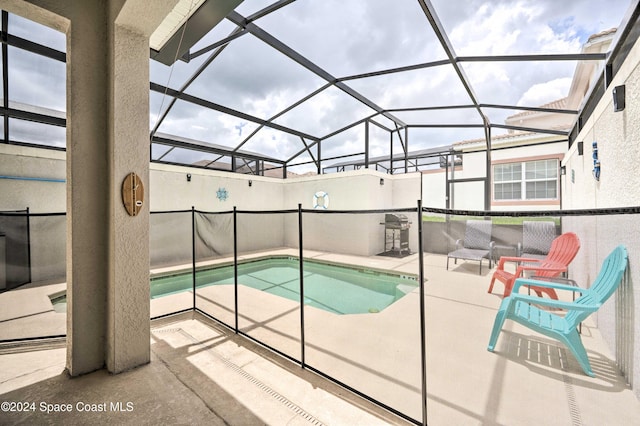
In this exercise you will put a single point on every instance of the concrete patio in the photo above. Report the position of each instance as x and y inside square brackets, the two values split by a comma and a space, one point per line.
[203, 373]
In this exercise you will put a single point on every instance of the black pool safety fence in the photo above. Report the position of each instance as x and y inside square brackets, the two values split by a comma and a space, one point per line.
[300, 305]
[32, 247]
[14, 233]
[343, 292]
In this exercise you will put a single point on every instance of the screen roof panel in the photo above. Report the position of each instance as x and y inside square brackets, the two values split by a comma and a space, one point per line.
[277, 144]
[356, 36]
[461, 116]
[252, 77]
[377, 59]
[505, 27]
[313, 69]
[174, 76]
[247, 8]
[522, 83]
[350, 141]
[418, 88]
[327, 111]
[36, 80]
[203, 124]
[426, 138]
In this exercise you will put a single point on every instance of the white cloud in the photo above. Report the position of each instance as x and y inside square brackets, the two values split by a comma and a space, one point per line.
[542, 93]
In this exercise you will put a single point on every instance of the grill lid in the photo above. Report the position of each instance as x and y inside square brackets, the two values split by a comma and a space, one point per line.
[395, 218]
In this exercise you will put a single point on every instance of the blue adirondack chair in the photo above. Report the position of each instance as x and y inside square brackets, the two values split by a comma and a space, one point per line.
[521, 308]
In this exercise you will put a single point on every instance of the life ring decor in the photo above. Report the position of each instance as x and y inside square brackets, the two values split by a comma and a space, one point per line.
[320, 200]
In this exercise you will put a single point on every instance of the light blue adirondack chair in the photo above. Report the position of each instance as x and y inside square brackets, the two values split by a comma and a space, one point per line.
[521, 308]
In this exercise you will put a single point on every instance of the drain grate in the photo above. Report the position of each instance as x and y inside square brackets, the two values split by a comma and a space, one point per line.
[574, 410]
[32, 345]
[251, 379]
[168, 330]
[274, 394]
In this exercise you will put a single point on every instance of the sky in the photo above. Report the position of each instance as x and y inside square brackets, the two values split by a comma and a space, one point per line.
[347, 38]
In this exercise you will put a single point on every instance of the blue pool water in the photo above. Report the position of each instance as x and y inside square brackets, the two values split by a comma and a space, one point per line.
[334, 288]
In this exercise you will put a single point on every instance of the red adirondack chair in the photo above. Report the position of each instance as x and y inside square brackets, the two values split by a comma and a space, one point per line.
[563, 249]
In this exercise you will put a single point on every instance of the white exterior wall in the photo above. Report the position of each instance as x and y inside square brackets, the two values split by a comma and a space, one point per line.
[355, 190]
[470, 195]
[171, 191]
[527, 153]
[465, 195]
[524, 152]
[433, 189]
[43, 194]
[617, 135]
[406, 190]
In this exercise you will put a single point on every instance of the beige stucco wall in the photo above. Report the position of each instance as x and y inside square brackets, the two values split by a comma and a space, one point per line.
[45, 193]
[406, 189]
[354, 190]
[171, 191]
[470, 195]
[617, 135]
[433, 186]
[464, 195]
[362, 192]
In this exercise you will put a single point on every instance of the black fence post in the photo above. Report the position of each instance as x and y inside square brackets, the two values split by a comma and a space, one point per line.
[423, 335]
[29, 244]
[235, 266]
[193, 253]
[302, 360]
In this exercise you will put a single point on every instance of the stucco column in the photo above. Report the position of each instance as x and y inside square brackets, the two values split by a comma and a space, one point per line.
[107, 138]
[108, 276]
[128, 328]
[88, 183]
[128, 312]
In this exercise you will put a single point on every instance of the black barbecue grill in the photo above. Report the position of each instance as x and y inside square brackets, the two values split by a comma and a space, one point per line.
[396, 234]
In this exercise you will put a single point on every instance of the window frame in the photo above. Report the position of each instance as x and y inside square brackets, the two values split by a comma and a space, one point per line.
[523, 180]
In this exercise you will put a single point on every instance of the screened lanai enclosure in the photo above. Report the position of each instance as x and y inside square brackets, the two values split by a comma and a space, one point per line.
[344, 276]
[298, 86]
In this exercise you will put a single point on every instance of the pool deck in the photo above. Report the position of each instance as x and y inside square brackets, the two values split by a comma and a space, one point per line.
[201, 372]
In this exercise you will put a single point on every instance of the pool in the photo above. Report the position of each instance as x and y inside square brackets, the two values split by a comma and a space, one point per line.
[334, 288]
